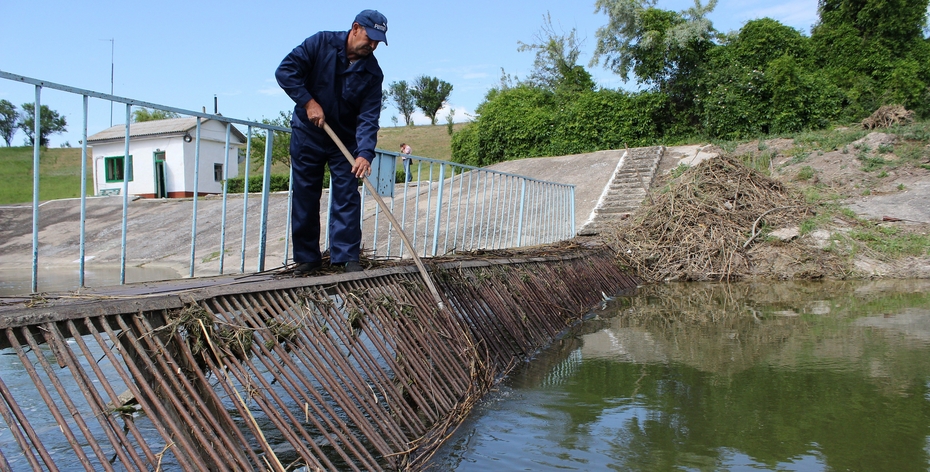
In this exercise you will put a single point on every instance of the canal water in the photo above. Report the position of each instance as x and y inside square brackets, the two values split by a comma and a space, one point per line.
[811, 376]
[18, 282]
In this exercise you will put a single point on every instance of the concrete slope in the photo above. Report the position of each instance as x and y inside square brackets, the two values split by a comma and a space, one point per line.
[590, 173]
[627, 189]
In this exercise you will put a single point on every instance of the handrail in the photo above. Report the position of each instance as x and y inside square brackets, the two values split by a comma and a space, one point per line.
[444, 206]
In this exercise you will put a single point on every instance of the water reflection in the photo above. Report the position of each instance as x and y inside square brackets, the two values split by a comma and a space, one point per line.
[783, 376]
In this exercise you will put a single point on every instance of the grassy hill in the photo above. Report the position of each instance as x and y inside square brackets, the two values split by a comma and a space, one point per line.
[427, 141]
[60, 169]
[59, 174]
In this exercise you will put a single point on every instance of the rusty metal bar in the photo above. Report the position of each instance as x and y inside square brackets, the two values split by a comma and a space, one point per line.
[194, 400]
[172, 389]
[113, 432]
[20, 418]
[342, 382]
[329, 416]
[114, 397]
[44, 393]
[265, 358]
[172, 432]
[359, 385]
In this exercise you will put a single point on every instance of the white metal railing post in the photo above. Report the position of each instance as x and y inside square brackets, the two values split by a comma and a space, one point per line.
[245, 198]
[125, 221]
[225, 189]
[416, 208]
[329, 212]
[445, 242]
[571, 210]
[458, 209]
[290, 209]
[36, 151]
[522, 209]
[436, 226]
[429, 200]
[266, 185]
[83, 193]
[403, 215]
[196, 195]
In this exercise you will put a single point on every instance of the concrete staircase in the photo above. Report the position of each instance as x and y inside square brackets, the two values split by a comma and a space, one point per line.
[626, 191]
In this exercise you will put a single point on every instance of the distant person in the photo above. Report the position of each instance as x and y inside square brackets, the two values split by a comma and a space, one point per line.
[405, 150]
[333, 77]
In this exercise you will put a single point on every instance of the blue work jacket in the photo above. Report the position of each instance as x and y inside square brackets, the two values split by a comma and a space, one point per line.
[350, 95]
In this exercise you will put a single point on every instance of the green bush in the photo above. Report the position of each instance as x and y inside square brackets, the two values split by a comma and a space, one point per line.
[606, 119]
[514, 124]
[465, 145]
[278, 183]
[530, 122]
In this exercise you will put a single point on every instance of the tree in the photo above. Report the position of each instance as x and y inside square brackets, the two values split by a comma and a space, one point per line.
[8, 119]
[51, 123]
[876, 51]
[430, 94]
[664, 49]
[402, 97]
[280, 148]
[555, 67]
[144, 114]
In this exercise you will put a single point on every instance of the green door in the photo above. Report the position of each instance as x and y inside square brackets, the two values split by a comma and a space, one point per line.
[160, 176]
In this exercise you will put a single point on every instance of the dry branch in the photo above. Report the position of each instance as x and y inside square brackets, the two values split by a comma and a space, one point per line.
[698, 227]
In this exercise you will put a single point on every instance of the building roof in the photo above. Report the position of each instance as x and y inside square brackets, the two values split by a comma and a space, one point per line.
[169, 127]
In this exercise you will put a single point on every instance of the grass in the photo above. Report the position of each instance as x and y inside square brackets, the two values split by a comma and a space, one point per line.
[59, 174]
[429, 141]
[891, 241]
[761, 162]
[831, 139]
[806, 173]
[60, 168]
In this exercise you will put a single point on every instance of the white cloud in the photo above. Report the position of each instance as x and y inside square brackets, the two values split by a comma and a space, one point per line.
[271, 91]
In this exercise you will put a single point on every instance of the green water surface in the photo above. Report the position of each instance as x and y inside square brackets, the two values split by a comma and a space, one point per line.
[774, 376]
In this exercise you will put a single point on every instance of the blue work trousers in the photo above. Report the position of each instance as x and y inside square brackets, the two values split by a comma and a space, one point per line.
[345, 233]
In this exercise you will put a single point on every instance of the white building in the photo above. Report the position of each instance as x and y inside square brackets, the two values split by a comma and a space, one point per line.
[161, 158]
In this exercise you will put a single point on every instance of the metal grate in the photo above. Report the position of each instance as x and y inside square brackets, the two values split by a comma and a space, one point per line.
[362, 374]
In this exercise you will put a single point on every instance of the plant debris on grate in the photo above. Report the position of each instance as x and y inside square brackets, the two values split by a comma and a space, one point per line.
[704, 224]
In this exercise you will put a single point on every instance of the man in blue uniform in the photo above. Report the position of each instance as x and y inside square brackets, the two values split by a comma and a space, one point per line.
[333, 77]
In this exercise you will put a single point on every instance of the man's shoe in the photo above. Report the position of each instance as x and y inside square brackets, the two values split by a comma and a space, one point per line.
[353, 266]
[307, 268]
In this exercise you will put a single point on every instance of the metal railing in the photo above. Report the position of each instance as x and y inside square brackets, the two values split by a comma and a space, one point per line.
[447, 207]
[444, 208]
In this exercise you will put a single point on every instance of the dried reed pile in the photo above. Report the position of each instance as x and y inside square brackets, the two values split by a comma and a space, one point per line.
[887, 116]
[703, 224]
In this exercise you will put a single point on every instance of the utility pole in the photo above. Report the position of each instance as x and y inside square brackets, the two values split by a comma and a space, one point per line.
[112, 47]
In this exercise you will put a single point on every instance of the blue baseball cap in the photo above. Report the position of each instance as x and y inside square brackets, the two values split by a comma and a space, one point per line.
[375, 24]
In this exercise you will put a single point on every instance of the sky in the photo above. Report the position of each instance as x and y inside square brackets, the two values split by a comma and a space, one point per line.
[183, 53]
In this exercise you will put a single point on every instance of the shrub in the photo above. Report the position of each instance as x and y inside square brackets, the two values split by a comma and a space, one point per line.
[465, 145]
[606, 119]
[514, 124]
[277, 183]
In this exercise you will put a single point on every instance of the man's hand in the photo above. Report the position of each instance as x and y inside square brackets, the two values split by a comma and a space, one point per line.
[315, 113]
[362, 167]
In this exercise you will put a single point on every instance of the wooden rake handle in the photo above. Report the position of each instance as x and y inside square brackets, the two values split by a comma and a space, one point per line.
[390, 217]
